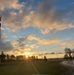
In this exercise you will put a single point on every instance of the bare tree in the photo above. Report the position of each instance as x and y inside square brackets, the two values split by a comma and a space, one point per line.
[66, 56]
[73, 53]
[68, 52]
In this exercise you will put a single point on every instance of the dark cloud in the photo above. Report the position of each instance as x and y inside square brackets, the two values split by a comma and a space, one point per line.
[21, 40]
[48, 11]
[4, 45]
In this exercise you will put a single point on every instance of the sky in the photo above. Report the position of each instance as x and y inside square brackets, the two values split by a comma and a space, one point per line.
[36, 26]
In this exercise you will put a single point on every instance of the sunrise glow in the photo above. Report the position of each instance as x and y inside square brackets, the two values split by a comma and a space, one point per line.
[39, 28]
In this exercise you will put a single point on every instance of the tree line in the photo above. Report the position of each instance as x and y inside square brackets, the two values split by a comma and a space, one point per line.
[8, 58]
[4, 58]
[69, 55]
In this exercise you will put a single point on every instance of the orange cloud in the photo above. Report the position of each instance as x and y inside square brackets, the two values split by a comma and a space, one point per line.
[43, 41]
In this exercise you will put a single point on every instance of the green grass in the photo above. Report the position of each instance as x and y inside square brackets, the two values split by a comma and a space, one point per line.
[32, 67]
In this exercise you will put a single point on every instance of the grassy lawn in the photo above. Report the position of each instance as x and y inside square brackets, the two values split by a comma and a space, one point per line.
[32, 67]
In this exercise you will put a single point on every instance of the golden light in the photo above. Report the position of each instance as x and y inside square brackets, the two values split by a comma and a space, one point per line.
[27, 54]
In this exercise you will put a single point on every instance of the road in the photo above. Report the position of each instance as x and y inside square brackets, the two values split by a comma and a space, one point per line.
[32, 68]
[69, 64]
[21, 68]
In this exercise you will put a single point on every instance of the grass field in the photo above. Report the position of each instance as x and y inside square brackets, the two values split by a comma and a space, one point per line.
[32, 67]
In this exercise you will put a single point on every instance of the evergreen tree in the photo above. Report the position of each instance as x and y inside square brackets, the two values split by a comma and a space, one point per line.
[2, 57]
[45, 59]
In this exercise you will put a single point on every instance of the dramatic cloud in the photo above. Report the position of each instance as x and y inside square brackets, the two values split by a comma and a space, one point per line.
[33, 46]
[45, 31]
[14, 36]
[21, 39]
[46, 17]
[9, 4]
[43, 41]
[5, 46]
[49, 18]
[67, 44]
[20, 46]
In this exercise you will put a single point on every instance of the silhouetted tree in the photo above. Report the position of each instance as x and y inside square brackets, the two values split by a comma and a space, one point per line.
[73, 53]
[12, 57]
[45, 59]
[66, 56]
[68, 52]
[8, 57]
[33, 57]
[20, 57]
[36, 57]
[2, 56]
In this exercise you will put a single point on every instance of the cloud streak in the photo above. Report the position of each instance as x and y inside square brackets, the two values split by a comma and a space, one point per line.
[43, 41]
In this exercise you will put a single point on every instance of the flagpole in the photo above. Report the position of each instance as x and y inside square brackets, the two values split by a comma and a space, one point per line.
[0, 28]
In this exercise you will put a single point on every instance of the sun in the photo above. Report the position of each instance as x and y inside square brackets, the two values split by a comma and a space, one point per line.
[27, 54]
